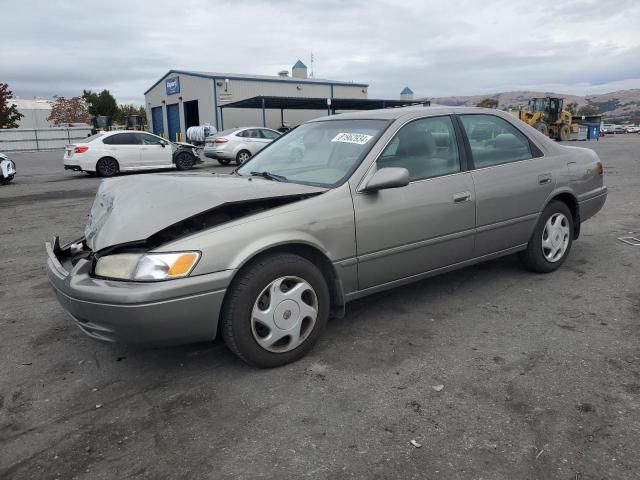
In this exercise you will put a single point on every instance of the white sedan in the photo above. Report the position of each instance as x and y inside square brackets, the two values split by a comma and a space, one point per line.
[238, 144]
[111, 152]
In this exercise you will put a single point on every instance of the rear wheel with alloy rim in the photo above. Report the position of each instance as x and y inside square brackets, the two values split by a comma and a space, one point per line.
[275, 310]
[107, 167]
[551, 240]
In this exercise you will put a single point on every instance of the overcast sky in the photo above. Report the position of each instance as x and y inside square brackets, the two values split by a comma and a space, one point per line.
[435, 47]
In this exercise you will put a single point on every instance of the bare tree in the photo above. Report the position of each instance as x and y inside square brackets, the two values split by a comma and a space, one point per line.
[69, 110]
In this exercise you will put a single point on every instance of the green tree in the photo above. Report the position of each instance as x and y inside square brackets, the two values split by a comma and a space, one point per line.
[488, 103]
[572, 108]
[9, 114]
[129, 109]
[102, 103]
[588, 110]
[69, 110]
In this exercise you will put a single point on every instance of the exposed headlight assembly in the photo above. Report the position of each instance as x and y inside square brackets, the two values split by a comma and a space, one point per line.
[146, 266]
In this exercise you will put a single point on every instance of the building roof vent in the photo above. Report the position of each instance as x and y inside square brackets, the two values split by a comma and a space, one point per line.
[283, 73]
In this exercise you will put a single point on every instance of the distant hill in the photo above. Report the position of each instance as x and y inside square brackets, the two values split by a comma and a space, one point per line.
[622, 105]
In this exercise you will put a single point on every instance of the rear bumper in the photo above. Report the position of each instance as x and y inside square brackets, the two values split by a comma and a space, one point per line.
[161, 313]
[592, 205]
[213, 153]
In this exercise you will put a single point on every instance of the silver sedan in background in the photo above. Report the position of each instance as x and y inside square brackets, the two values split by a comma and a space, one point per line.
[368, 202]
[238, 144]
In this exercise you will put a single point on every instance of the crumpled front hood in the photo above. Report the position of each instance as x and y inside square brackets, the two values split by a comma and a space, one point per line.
[131, 209]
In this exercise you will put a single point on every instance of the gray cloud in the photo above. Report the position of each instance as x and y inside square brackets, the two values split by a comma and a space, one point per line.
[437, 48]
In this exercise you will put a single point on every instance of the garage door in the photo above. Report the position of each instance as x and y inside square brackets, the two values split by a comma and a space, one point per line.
[173, 119]
[158, 121]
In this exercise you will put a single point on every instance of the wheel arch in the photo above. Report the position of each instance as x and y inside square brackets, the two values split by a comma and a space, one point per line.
[315, 255]
[106, 156]
[568, 198]
[243, 149]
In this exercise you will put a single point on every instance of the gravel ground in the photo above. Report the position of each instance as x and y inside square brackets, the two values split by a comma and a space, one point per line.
[540, 373]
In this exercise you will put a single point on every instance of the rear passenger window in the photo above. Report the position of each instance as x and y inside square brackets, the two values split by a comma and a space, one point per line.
[494, 141]
[427, 148]
[121, 139]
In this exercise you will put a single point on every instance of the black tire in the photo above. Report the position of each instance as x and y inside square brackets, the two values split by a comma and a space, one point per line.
[223, 161]
[236, 318]
[107, 167]
[542, 128]
[534, 257]
[243, 156]
[184, 161]
[563, 133]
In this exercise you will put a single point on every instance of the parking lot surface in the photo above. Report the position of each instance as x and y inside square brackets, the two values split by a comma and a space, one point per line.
[535, 376]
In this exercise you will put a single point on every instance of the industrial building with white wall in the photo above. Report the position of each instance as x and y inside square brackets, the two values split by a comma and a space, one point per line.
[181, 99]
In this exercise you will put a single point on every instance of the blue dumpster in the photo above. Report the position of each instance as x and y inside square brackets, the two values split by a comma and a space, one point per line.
[593, 132]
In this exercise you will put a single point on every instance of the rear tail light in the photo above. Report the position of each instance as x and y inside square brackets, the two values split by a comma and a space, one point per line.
[80, 149]
[600, 168]
[220, 140]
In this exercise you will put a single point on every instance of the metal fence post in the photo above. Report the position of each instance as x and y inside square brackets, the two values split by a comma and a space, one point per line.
[35, 133]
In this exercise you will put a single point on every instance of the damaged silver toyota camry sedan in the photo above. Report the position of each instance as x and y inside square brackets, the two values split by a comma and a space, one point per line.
[339, 208]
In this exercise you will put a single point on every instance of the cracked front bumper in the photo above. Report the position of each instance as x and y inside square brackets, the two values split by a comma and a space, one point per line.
[171, 312]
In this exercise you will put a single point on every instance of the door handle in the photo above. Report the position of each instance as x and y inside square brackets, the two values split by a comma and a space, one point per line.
[544, 178]
[461, 197]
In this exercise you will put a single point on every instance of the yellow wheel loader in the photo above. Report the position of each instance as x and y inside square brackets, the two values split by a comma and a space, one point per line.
[547, 116]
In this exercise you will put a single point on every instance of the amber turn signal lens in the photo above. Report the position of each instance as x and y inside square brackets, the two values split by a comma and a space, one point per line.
[183, 264]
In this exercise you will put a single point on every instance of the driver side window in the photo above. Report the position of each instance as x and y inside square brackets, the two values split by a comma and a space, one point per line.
[426, 147]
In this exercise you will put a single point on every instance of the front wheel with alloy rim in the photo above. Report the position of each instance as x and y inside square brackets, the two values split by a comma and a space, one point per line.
[551, 240]
[184, 161]
[242, 157]
[275, 310]
[107, 167]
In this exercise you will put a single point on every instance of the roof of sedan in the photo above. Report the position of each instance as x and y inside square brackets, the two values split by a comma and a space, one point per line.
[395, 113]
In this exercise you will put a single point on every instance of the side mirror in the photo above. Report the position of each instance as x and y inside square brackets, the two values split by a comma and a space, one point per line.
[389, 177]
[163, 143]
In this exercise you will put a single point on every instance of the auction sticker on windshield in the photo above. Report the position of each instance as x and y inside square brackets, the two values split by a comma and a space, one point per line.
[358, 138]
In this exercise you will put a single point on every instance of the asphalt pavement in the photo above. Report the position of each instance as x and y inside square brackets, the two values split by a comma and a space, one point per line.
[493, 372]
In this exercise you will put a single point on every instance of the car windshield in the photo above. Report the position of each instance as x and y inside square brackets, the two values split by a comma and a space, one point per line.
[318, 153]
